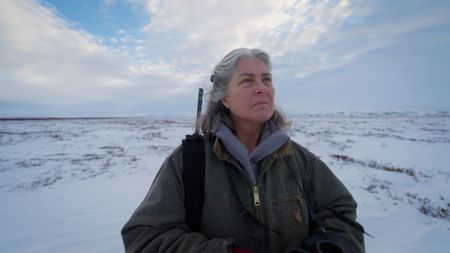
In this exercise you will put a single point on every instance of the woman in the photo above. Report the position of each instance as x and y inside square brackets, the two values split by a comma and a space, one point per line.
[263, 192]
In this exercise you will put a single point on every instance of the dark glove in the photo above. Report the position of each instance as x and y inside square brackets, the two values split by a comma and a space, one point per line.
[323, 242]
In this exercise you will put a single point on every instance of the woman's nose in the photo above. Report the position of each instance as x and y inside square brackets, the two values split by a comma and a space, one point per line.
[260, 87]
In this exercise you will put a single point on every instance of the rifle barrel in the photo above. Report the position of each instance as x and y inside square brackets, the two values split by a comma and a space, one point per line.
[199, 109]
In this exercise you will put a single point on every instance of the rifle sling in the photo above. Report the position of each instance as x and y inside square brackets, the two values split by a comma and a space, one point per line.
[193, 179]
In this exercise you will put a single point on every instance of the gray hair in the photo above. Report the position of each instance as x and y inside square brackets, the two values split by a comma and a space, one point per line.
[216, 112]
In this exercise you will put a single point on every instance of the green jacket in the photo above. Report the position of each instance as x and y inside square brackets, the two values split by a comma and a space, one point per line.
[288, 176]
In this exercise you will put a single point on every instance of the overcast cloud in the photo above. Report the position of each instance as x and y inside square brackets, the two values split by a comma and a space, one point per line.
[327, 54]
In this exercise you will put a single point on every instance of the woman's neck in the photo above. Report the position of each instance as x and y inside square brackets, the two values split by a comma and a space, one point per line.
[248, 134]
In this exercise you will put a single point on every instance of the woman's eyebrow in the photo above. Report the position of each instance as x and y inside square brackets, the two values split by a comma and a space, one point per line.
[251, 75]
[246, 74]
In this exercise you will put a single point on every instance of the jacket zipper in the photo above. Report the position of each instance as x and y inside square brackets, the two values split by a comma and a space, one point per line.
[256, 201]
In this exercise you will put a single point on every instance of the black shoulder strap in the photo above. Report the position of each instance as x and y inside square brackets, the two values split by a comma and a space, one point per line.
[193, 179]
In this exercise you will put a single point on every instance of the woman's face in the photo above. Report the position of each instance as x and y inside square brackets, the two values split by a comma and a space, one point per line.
[250, 93]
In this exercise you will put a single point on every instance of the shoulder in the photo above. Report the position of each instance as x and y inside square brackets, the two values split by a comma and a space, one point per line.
[302, 152]
[310, 163]
[177, 154]
[176, 157]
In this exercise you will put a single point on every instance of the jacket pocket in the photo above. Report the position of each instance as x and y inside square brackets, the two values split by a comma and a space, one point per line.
[290, 217]
[292, 206]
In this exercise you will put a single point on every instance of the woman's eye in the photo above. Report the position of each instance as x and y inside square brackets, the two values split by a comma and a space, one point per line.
[267, 80]
[247, 81]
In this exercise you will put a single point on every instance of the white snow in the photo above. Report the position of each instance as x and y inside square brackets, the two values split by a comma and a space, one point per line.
[69, 185]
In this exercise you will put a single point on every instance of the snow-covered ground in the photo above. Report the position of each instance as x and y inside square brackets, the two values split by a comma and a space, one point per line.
[69, 185]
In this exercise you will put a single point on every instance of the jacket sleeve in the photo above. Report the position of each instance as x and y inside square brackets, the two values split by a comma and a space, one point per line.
[327, 191]
[157, 225]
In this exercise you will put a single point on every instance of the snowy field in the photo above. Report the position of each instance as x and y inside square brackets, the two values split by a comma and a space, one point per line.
[69, 185]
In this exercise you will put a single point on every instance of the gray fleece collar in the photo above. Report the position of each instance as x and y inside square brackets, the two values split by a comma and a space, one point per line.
[271, 140]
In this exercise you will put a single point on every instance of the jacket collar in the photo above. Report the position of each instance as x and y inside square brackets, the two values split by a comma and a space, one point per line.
[286, 149]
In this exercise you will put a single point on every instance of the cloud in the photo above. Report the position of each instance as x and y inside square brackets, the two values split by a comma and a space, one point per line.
[386, 54]
[44, 58]
[303, 37]
[356, 29]
[43, 55]
[199, 32]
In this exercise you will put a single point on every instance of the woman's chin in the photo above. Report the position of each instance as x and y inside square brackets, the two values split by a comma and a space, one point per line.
[262, 116]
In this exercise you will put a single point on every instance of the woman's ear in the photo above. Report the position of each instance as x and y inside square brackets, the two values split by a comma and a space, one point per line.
[225, 103]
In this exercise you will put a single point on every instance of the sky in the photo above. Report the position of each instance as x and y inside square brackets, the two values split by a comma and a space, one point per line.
[149, 57]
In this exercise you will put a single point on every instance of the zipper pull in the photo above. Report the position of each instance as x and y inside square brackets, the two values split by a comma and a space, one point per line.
[256, 195]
